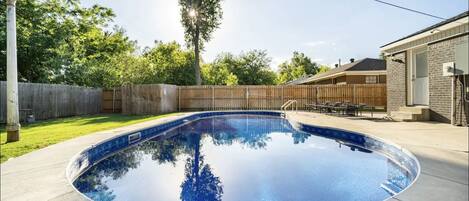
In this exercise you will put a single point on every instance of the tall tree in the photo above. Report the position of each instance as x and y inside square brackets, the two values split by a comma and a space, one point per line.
[220, 71]
[200, 18]
[253, 68]
[170, 64]
[249, 68]
[59, 41]
[323, 68]
[300, 65]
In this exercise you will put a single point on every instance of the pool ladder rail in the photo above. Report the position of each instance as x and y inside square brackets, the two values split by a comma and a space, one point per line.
[290, 103]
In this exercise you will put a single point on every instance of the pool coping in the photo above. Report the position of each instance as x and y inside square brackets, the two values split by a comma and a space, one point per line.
[429, 186]
[297, 124]
[51, 182]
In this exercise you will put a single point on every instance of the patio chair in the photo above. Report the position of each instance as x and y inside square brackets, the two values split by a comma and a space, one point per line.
[318, 107]
[360, 108]
[338, 107]
[349, 108]
[311, 106]
[326, 107]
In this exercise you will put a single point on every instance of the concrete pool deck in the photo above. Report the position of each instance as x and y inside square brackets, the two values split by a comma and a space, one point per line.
[442, 151]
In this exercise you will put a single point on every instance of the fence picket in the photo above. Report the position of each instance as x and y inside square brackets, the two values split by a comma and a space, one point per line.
[193, 98]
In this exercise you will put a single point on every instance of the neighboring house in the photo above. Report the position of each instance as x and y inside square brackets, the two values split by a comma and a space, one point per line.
[420, 85]
[365, 71]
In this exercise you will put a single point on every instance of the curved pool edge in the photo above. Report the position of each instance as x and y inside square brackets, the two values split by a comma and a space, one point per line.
[72, 172]
[81, 162]
[299, 124]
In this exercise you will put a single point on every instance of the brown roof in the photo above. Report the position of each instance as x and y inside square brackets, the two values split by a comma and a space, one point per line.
[366, 64]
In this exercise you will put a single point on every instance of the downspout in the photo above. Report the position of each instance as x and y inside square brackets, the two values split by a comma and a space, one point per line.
[453, 101]
[464, 100]
[461, 101]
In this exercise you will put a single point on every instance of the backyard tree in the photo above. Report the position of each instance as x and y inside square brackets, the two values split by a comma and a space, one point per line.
[200, 18]
[253, 68]
[323, 68]
[249, 68]
[220, 71]
[300, 65]
[169, 64]
[63, 42]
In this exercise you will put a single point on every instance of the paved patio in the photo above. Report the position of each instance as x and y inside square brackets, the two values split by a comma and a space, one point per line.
[442, 150]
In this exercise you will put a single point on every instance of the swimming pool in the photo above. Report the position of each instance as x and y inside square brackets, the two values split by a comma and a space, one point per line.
[242, 156]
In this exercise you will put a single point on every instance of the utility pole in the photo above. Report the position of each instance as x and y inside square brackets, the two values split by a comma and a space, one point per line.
[13, 124]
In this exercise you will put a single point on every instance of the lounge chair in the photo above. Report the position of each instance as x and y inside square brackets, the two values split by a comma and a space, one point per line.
[338, 107]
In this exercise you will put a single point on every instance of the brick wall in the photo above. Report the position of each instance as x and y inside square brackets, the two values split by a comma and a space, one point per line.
[361, 79]
[328, 81]
[439, 86]
[396, 82]
[340, 79]
[356, 79]
[351, 79]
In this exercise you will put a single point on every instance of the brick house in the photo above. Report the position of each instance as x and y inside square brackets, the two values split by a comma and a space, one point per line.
[427, 73]
[364, 71]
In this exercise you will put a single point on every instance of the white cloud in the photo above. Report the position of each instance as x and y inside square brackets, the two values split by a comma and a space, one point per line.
[315, 43]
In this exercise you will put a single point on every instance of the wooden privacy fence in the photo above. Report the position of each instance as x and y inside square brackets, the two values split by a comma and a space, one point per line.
[192, 98]
[46, 101]
[149, 99]
[112, 101]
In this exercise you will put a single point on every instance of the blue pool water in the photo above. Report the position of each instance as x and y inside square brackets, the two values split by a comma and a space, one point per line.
[243, 158]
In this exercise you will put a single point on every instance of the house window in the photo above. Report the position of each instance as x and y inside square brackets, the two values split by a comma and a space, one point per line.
[370, 79]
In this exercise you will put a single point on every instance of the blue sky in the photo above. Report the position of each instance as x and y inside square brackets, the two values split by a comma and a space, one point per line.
[323, 30]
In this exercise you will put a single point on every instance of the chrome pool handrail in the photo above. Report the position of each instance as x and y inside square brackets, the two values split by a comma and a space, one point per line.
[287, 104]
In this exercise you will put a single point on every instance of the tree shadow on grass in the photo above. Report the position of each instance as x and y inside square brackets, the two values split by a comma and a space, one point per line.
[49, 122]
[115, 118]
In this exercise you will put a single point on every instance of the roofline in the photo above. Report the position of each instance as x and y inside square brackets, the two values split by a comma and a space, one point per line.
[431, 29]
[368, 72]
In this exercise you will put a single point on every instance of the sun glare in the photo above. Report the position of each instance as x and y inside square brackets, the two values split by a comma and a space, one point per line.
[192, 13]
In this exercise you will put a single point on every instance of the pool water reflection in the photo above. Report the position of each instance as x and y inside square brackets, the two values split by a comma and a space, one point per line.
[241, 157]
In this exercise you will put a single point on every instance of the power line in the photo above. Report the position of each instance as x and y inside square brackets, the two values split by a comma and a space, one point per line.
[411, 10]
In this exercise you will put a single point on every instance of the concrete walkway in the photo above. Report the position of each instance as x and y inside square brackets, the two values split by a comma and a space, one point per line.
[441, 149]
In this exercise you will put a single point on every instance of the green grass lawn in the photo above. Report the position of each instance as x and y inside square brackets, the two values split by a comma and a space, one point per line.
[42, 134]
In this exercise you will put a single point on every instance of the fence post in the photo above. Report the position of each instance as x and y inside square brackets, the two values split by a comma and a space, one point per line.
[213, 98]
[179, 98]
[317, 89]
[353, 95]
[113, 99]
[283, 98]
[247, 98]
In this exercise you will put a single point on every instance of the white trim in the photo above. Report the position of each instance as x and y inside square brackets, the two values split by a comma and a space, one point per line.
[409, 48]
[444, 27]
[376, 72]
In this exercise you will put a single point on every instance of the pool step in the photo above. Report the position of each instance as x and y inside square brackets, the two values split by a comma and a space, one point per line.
[391, 188]
[418, 113]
